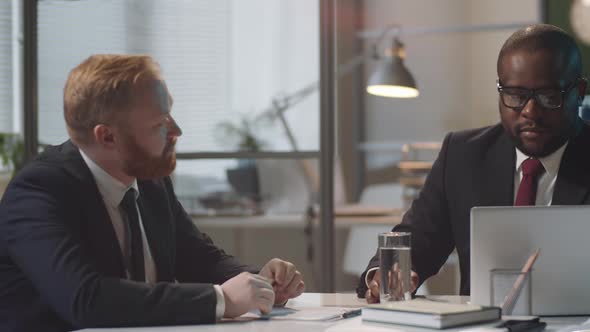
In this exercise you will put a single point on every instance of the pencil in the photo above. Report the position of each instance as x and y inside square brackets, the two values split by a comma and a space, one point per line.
[512, 296]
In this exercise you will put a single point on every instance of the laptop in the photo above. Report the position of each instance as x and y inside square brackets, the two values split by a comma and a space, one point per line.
[504, 237]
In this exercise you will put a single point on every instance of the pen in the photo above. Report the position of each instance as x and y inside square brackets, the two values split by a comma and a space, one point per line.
[351, 313]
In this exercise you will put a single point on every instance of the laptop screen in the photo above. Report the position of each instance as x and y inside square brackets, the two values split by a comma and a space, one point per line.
[504, 238]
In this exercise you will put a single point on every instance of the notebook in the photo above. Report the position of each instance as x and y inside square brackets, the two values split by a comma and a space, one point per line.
[427, 313]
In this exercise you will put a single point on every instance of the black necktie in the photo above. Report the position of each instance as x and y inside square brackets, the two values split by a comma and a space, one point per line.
[135, 266]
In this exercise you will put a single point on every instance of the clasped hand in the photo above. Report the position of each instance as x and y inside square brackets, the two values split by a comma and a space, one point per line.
[277, 282]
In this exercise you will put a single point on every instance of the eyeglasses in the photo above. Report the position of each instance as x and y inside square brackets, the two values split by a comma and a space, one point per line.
[548, 98]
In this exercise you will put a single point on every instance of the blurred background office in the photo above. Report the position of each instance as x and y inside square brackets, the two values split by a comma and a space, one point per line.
[249, 96]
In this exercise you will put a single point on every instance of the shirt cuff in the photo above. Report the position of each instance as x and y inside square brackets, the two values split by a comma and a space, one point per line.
[220, 306]
[369, 275]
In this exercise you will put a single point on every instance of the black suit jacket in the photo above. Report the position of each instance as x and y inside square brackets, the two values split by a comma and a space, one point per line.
[476, 168]
[61, 266]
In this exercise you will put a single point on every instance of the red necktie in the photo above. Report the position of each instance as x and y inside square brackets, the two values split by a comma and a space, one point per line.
[527, 191]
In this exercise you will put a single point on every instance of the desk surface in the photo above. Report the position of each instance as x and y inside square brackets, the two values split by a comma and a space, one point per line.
[316, 299]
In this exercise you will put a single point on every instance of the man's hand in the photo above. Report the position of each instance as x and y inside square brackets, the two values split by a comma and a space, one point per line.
[372, 294]
[246, 292]
[287, 282]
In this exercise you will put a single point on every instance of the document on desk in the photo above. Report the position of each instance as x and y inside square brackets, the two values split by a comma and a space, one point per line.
[307, 313]
[584, 327]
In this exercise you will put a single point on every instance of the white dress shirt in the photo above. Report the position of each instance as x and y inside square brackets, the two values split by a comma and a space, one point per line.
[546, 182]
[112, 192]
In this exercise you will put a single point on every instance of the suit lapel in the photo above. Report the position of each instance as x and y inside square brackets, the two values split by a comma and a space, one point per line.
[99, 232]
[496, 180]
[156, 217]
[102, 238]
[573, 180]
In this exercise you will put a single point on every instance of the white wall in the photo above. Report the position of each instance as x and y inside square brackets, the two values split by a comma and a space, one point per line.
[455, 72]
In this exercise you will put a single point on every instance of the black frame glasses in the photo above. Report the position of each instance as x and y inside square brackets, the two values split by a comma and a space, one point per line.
[516, 98]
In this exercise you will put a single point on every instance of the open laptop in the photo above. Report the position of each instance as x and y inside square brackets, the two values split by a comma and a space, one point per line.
[504, 237]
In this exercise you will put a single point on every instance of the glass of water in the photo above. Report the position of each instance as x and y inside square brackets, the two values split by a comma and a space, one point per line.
[395, 265]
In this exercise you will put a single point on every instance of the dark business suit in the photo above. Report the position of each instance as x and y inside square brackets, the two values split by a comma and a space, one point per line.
[61, 265]
[476, 168]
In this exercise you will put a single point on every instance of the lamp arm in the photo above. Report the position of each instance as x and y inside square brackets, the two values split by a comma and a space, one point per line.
[280, 104]
[397, 30]
[381, 33]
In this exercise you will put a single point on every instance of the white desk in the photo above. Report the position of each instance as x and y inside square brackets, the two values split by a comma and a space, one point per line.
[316, 299]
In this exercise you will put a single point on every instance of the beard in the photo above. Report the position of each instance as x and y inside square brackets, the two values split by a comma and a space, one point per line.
[549, 137]
[142, 165]
[545, 144]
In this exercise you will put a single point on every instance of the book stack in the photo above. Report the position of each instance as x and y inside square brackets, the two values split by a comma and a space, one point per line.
[428, 313]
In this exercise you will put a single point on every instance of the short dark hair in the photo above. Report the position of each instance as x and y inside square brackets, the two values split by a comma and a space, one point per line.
[545, 37]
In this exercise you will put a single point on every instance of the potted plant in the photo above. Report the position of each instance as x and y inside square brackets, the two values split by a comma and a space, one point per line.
[12, 152]
[243, 178]
[12, 156]
[240, 134]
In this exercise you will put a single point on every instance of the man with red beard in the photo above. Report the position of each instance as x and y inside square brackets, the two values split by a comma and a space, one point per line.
[92, 234]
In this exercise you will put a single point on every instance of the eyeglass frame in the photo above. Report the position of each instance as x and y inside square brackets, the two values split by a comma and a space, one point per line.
[533, 93]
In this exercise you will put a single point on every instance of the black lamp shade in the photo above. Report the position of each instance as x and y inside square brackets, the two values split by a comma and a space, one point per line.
[392, 79]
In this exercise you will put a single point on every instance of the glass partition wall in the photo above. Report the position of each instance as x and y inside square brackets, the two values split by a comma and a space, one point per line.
[247, 87]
